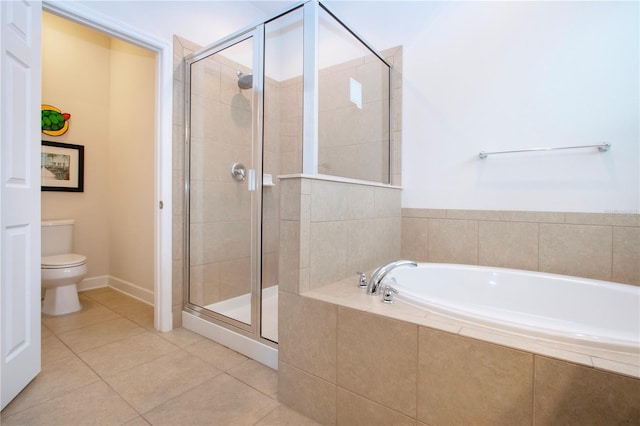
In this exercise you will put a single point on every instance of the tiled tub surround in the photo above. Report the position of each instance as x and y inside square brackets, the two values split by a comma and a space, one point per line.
[359, 361]
[344, 353]
[591, 245]
[328, 230]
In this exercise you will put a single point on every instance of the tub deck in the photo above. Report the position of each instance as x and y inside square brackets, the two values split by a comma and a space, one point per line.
[346, 293]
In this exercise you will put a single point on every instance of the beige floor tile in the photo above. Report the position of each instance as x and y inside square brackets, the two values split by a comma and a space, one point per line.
[107, 296]
[45, 332]
[181, 337]
[53, 350]
[258, 376]
[120, 302]
[214, 353]
[283, 416]
[219, 401]
[95, 335]
[144, 319]
[95, 291]
[132, 308]
[56, 379]
[138, 421]
[91, 313]
[116, 357]
[94, 404]
[151, 384]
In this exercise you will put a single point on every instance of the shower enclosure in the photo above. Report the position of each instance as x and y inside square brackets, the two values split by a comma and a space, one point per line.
[297, 94]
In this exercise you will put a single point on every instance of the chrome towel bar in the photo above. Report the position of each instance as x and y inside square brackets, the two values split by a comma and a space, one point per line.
[603, 147]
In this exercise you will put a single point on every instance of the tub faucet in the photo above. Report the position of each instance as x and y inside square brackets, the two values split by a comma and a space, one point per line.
[381, 272]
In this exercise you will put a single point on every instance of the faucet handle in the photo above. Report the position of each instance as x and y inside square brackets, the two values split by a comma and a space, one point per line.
[387, 294]
[388, 291]
[363, 280]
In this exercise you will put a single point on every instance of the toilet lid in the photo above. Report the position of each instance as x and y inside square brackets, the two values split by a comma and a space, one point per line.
[63, 260]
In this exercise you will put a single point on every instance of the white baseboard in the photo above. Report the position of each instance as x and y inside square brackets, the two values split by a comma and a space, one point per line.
[123, 286]
[93, 282]
[132, 290]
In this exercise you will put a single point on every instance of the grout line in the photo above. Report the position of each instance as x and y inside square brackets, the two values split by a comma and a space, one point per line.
[533, 390]
[268, 414]
[611, 255]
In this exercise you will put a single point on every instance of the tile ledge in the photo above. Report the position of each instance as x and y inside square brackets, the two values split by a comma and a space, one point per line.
[338, 179]
[346, 293]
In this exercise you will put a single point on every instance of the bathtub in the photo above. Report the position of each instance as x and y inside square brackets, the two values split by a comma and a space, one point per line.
[548, 306]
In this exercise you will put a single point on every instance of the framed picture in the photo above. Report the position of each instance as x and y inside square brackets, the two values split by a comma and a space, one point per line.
[62, 167]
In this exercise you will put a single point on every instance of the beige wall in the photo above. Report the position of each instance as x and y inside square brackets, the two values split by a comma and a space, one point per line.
[132, 166]
[591, 245]
[75, 76]
[108, 88]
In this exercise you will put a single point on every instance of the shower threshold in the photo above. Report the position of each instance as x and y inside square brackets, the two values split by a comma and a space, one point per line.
[239, 308]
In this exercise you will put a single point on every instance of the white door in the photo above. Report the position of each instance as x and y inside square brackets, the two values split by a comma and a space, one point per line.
[19, 195]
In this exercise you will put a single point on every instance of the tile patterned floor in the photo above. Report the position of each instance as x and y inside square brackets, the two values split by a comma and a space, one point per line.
[106, 365]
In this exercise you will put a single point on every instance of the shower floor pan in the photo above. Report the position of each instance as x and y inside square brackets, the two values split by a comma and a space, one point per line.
[239, 308]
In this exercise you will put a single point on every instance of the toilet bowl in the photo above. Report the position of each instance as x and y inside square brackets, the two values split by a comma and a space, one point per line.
[60, 269]
[59, 276]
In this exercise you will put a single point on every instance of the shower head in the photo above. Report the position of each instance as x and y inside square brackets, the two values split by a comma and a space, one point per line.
[245, 81]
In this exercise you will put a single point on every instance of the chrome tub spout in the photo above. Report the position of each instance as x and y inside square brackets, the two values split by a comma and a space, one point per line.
[381, 272]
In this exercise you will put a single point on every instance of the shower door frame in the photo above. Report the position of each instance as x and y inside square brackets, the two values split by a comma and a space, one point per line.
[200, 319]
[251, 330]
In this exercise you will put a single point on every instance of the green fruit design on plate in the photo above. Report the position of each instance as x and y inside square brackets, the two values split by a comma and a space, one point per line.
[53, 121]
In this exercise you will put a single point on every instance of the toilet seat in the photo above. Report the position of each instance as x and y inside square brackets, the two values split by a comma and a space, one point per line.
[62, 261]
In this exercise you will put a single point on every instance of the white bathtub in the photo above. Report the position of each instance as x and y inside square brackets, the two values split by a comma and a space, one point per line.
[550, 306]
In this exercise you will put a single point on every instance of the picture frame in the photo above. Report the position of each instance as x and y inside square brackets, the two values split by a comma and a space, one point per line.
[62, 167]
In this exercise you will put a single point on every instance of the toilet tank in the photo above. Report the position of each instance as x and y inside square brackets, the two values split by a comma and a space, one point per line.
[57, 237]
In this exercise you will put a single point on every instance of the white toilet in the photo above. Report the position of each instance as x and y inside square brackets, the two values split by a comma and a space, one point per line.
[60, 268]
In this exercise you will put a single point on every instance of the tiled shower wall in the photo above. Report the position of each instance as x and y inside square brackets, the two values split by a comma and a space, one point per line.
[282, 156]
[590, 245]
[330, 230]
[352, 140]
[220, 219]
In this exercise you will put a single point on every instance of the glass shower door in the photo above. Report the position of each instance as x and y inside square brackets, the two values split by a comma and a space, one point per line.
[225, 165]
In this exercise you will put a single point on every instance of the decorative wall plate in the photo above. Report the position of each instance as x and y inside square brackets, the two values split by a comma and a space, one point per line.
[53, 121]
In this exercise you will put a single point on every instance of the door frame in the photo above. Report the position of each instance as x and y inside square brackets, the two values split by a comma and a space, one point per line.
[256, 35]
[163, 318]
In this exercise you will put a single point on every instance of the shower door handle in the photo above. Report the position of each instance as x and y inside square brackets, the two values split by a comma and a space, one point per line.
[252, 180]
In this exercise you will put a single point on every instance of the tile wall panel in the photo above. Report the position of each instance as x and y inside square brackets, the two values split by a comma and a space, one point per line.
[575, 395]
[583, 250]
[591, 245]
[453, 241]
[307, 394]
[355, 410]
[508, 244]
[467, 381]
[377, 359]
[307, 335]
